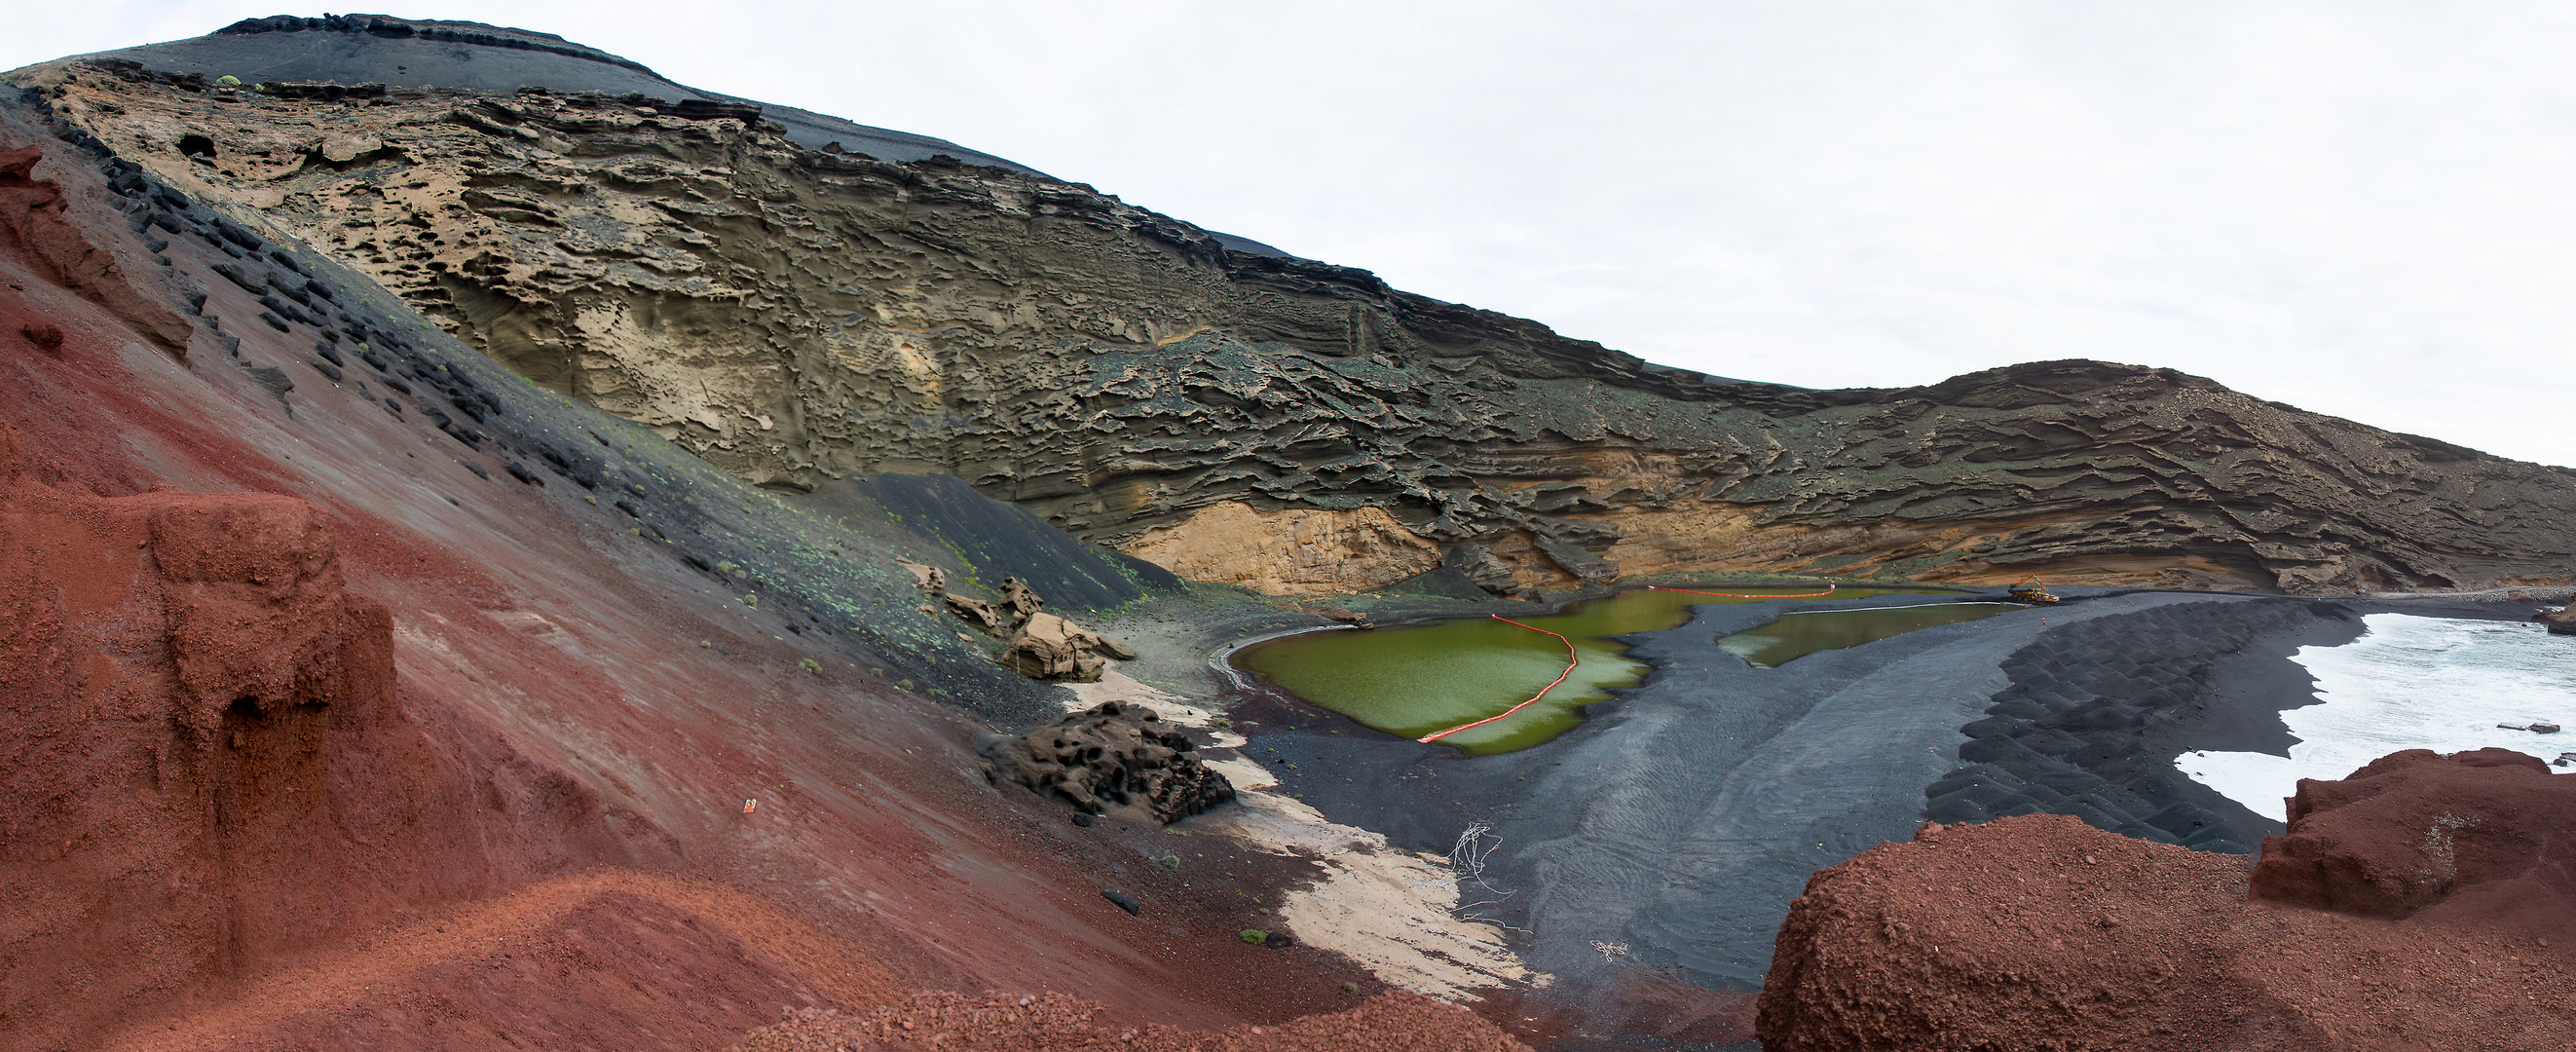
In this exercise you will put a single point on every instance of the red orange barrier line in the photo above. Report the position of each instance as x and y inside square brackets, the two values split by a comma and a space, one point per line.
[1571, 660]
[1829, 590]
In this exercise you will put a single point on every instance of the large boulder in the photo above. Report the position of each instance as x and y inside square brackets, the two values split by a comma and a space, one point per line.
[2414, 828]
[2042, 932]
[1112, 755]
[1049, 647]
[2562, 621]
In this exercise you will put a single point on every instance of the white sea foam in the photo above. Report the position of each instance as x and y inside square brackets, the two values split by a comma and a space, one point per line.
[2409, 683]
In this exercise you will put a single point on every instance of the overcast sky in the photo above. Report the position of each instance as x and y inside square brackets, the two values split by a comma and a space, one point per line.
[2366, 209]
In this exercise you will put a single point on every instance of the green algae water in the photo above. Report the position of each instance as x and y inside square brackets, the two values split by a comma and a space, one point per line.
[1797, 635]
[1415, 680]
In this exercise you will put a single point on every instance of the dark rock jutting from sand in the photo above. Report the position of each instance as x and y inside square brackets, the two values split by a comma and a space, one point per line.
[2041, 932]
[2561, 622]
[1113, 755]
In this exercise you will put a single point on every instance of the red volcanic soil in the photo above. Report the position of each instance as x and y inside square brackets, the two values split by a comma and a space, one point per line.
[1393, 1022]
[315, 740]
[2043, 932]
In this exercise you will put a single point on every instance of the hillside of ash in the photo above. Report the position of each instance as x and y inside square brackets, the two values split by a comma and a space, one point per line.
[356, 694]
[799, 315]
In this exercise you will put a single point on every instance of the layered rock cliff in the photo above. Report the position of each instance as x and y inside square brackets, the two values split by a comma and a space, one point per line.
[798, 315]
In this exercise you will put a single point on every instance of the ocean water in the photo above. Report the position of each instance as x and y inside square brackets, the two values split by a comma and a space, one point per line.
[2409, 683]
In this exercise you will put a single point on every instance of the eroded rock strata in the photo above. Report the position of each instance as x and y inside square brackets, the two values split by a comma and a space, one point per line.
[797, 316]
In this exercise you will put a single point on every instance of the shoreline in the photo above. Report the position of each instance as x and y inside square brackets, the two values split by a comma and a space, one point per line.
[1673, 827]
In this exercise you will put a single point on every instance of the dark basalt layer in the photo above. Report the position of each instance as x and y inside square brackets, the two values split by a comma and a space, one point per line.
[413, 53]
[798, 316]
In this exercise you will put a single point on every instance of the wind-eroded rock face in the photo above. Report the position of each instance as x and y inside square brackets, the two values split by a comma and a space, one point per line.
[796, 316]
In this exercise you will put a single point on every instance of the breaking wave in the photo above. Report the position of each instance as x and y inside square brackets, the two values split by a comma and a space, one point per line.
[2408, 683]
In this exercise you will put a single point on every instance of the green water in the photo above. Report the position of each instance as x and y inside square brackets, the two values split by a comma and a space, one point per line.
[1415, 680]
[1797, 635]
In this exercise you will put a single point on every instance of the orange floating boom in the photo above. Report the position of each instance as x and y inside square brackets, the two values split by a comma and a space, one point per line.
[1570, 661]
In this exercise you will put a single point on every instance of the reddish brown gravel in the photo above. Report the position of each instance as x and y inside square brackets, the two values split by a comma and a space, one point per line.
[1390, 1022]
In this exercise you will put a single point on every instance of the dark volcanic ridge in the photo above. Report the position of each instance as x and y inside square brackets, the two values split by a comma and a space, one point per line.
[422, 53]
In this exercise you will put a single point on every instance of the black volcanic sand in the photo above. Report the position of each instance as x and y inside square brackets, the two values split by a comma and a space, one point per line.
[1680, 820]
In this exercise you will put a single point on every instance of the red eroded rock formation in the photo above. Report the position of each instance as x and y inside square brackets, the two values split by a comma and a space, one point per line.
[202, 764]
[2491, 828]
[2041, 932]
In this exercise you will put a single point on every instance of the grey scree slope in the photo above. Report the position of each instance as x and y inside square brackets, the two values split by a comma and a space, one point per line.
[405, 52]
[1686, 816]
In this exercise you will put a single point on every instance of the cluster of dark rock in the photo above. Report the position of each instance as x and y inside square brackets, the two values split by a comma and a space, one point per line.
[1038, 644]
[1112, 755]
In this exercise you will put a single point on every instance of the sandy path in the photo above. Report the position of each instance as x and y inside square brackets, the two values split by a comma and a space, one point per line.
[489, 929]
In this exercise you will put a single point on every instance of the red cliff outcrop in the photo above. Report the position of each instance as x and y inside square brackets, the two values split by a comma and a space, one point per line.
[205, 764]
[2421, 903]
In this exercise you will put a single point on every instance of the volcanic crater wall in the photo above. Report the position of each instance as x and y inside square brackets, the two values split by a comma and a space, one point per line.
[797, 316]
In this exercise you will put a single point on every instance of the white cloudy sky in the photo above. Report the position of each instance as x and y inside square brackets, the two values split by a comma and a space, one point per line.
[2363, 208]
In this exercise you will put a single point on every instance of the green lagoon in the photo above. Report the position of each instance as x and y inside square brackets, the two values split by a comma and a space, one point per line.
[1797, 635]
[1415, 680]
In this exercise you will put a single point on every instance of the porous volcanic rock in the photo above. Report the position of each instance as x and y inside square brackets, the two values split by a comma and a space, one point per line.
[1114, 754]
[798, 316]
[1041, 645]
[1289, 551]
[2415, 828]
[1390, 1022]
[2042, 932]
